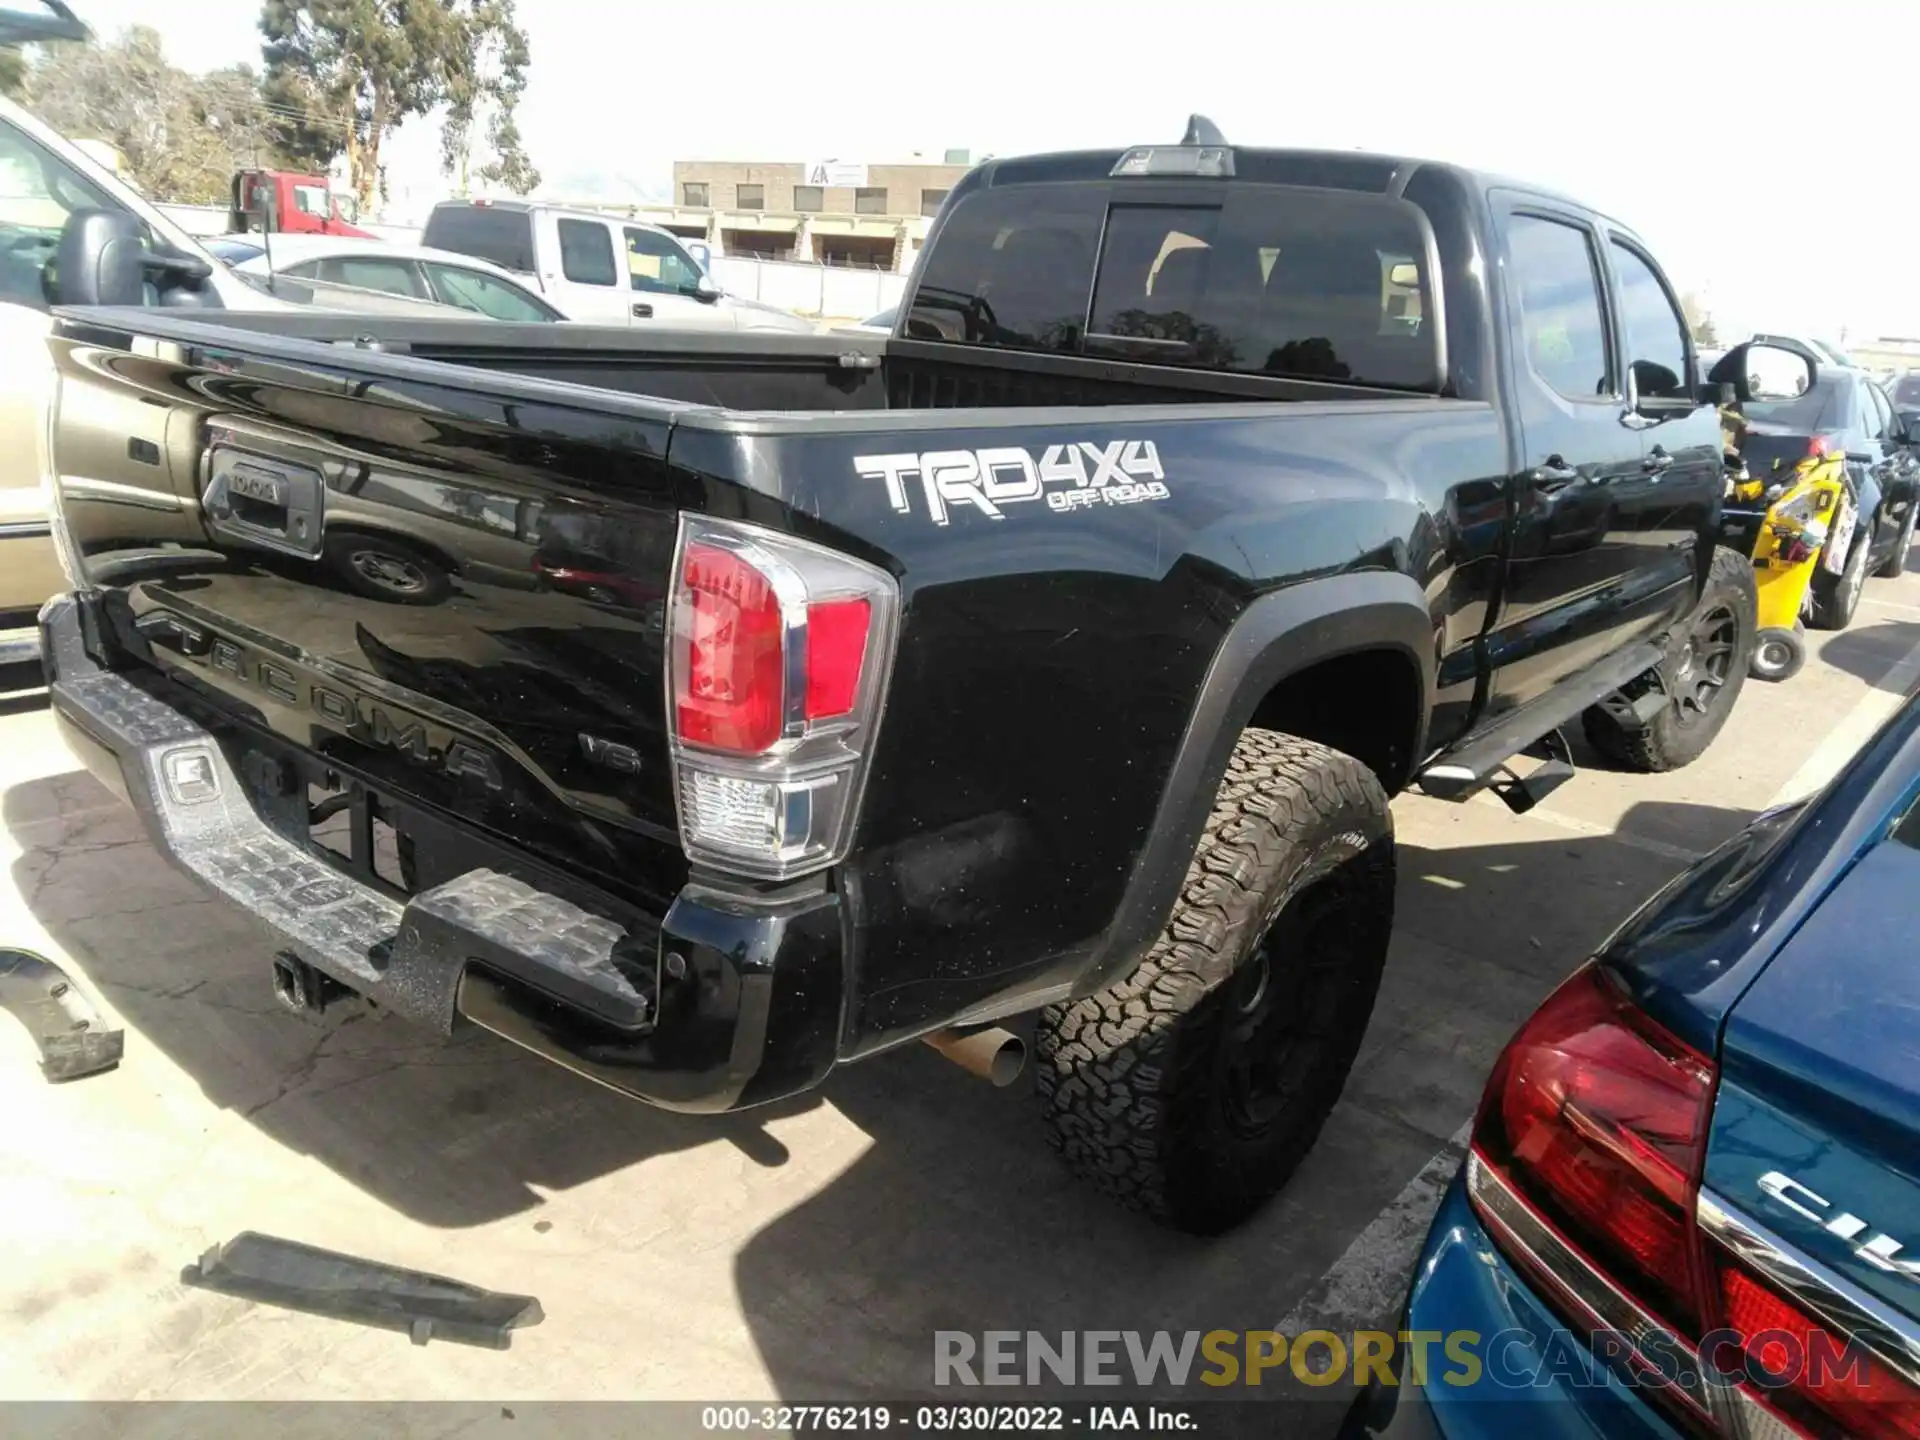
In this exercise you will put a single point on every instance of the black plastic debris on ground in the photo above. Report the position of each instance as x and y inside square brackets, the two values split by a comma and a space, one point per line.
[73, 1037]
[424, 1307]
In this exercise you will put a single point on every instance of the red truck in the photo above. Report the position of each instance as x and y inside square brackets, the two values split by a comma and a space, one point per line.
[301, 204]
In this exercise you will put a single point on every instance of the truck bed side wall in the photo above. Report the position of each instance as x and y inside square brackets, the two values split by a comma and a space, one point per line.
[1057, 642]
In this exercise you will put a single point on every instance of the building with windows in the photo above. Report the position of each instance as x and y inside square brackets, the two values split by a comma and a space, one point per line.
[822, 212]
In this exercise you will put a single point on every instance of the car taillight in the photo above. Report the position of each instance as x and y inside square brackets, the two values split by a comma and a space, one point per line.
[1586, 1163]
[778, 652]
[1820, 1393]
[1817, 447]
[1597, 1116]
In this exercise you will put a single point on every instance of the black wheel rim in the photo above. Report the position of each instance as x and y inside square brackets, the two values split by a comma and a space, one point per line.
[1705, 661]
[1282, 1006]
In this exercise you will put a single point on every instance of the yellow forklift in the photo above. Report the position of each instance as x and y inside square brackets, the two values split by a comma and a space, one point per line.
[1791, 520]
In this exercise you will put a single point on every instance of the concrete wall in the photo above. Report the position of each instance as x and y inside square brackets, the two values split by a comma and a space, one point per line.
[830, 292]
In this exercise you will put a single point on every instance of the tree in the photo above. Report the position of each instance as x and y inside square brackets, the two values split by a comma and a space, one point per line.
[1699, 319]
[486, 82]
[180, 136]
[13, 72]
[345, 74]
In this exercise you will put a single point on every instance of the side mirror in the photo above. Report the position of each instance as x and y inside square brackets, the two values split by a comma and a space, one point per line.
[706, 289]
[1766, 370]
[99, 261]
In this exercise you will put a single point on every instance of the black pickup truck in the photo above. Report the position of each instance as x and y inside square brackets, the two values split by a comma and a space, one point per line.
[706, 713]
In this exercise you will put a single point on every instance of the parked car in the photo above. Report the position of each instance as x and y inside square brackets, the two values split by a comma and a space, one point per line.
[1691, 1184]
[415, 272]
[600, 269]
[1903, 389]
[63, 206]
[1054, 674]
[1831, 355]
[54, 191]
[1844, 409]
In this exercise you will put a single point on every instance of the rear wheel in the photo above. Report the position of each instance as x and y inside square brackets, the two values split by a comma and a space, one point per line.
[1707, 663]
[1778, 654]
[1193, 1088]
[1834, 598]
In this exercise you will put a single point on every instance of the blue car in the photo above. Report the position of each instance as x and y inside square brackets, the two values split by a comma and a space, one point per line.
[1692, 1203]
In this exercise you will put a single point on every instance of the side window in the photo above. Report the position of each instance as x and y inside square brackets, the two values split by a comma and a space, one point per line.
[586, 253]
[1013, 268]
[38, 191]
[305, 270]
[1880, 415]
[471, 290]
[658, 266]
[395, 277]
[1562, 323]
[1656, 334]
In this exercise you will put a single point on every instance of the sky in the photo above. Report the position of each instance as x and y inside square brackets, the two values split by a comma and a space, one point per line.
[1756, 148]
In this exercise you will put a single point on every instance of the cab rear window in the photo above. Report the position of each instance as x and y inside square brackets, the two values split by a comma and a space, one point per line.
[1307, 284]
[503, 236]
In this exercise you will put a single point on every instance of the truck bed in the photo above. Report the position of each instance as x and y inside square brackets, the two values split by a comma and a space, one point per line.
[752, 372]
[510, 713]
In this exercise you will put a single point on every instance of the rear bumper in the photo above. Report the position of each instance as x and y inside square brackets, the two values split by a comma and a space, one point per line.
[1533, 1376]
[722, 1002]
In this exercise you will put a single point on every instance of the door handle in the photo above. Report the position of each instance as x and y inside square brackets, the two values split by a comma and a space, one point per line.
[1554, 475]
[642, 311]
[1657, 461]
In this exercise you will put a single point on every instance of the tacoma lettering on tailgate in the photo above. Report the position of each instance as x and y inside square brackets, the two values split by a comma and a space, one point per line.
[1121, 472]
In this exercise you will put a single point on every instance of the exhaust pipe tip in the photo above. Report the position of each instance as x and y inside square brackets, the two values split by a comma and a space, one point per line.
[995, 1055]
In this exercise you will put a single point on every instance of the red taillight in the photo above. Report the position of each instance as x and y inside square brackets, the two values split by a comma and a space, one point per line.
[836, 647]
[776, 656]
[1825, 1390]
[1598, 1117]
[1817, 447]
[731, 693]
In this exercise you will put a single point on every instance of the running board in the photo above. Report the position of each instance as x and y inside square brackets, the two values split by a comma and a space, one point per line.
[1481, 760]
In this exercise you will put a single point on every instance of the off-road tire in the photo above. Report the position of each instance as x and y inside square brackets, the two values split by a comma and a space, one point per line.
[1895, 565]
[1284, 917]
[1678, 736]
[1778, 654]
[1835, 599]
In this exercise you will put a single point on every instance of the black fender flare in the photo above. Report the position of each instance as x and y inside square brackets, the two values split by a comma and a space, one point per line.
[1280, 634]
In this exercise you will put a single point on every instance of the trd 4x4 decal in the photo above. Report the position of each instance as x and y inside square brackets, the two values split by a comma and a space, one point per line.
[1120, 472]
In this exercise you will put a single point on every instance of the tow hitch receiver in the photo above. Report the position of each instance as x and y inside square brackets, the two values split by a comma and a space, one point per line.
[73, 1038]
